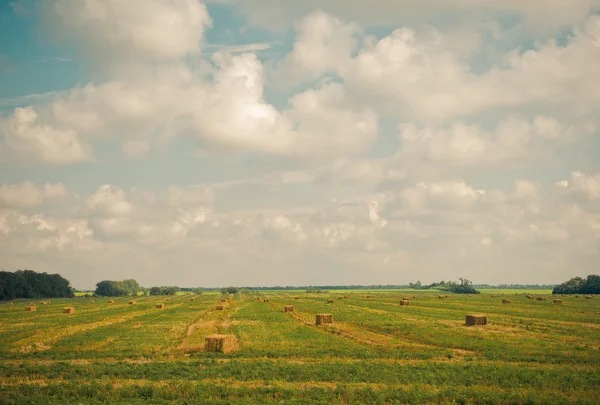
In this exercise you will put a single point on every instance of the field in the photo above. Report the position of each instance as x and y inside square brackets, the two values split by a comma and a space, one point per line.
[375, 352]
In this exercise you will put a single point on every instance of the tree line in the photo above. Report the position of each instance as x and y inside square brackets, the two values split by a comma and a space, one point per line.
[30, 284]
[578, 285]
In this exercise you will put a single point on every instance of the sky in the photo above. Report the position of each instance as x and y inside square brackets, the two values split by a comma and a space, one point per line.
[260, 143]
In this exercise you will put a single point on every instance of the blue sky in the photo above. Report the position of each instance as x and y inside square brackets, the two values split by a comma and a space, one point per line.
[300, 143]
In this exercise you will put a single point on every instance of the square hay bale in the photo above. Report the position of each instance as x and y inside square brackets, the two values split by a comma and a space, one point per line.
[506, 301]
[220, 343]
[345, 296]
[441, 297]
[191, 299]
[68, 310]
[288, 308]
[167, 299]
[557, 301]
[223, 300]
[324, 319]
[404, 303]
[415, 297]
[43, 302]
[111, 301]
[529, 297]
[478, 319]
[370, 296]
[266, 300]
[589, 297]
[160, 306]
[257, 298]
[131, 302]
[92, 301]
[219, 307]
[30, 308]
[339, 298]
[577, 296]
[330, 301]
[541, 298]
[296, 298]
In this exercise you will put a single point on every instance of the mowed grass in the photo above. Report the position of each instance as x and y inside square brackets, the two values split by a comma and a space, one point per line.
[376, 351]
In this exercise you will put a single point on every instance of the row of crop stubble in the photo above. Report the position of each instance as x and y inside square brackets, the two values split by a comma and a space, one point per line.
[376, 350]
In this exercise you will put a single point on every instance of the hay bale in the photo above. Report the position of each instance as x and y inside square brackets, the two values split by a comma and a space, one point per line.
[370, 296]
[415, 297]
[92, 301]
[506, 301]
[30, 308]
[441, 297]
[296, 298]
[339, 298]
[131, 302]
[220, 343]
[577, 296]
[223, 300]
[324, 319]
[589, 297]
[330, 301]
[529, 297]
[557, 301]
[266, 300]
[541, 298]
[219, 307]
[288, 308]
[478, 319]
[191, 299]
[11, 303]
[404, 302]
[111, 301]
[257, 298]
[68, 310]
[167, 299]
[160, 306]
[43, 302]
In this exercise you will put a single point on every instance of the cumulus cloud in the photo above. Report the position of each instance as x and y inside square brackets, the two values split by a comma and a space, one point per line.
[27, 194]
[118, 36]
[540, 14]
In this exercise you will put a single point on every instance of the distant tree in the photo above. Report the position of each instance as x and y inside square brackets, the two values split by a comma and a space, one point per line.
[155, 291]
[197, 291]
[232, 290]
[465, 287]
[30, 284]
[578, 285]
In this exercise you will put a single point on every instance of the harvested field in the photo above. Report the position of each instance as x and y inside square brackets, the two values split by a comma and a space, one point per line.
[376, 350]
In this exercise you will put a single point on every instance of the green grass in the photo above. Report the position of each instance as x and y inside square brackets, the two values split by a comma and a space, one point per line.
[375, 352]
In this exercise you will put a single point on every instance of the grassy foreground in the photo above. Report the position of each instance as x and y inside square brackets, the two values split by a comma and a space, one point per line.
[376, 351]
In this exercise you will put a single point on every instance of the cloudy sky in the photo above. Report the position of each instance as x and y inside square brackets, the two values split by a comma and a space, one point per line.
[259, 142]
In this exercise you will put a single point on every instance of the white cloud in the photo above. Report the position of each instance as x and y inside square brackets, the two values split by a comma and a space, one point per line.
[23, 135]
[117, 35]
[27, 194]
[540, 14]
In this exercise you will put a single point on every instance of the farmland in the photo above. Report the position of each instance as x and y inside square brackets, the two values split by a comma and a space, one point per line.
[376, 351]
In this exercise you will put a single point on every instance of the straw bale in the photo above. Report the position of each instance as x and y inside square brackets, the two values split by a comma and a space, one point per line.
[330, 301]
[478, 319]
[324, 319]
[541, 298]
[557, 301]
[111, 301]
[219, 307]
[167, 299]
[506, 301]
[415, 297]
[68, 310]
[191, 299]
[220, 343]
[266, 300]
[589, 297]
[370, 296]
[131, 302]
[30, 308]
[441, 297]
[160, 306]
[223, 300]
[529, 296]
[404, 302]
[288, 308]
